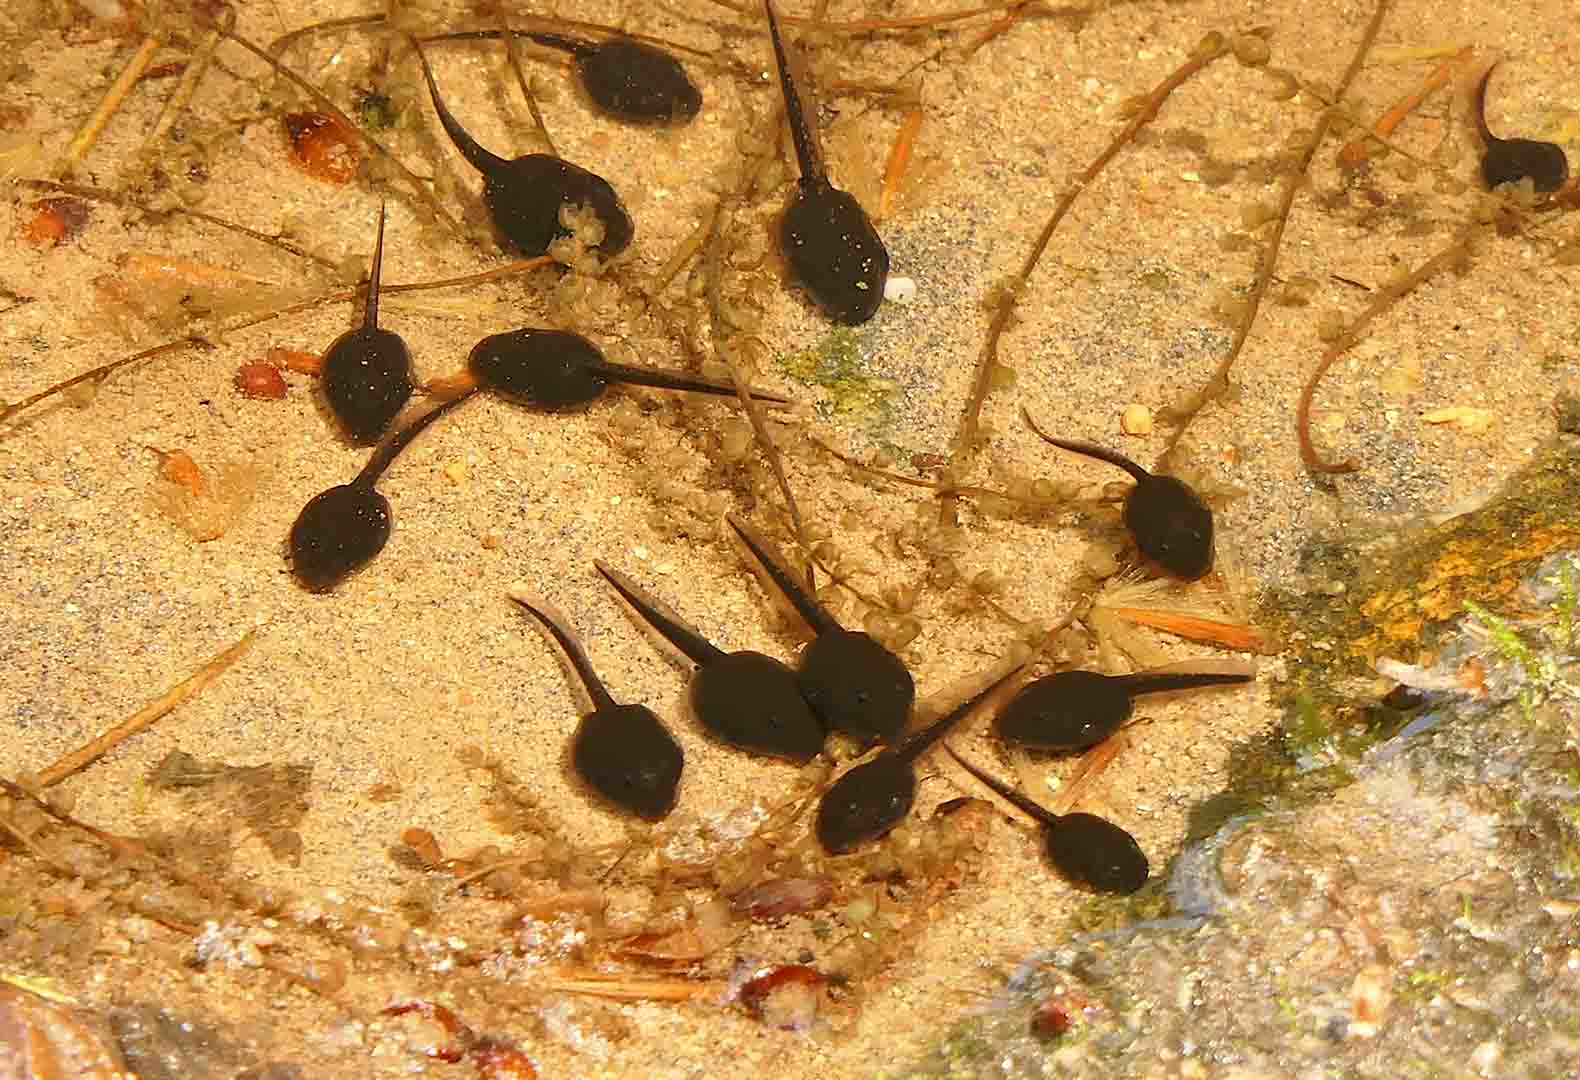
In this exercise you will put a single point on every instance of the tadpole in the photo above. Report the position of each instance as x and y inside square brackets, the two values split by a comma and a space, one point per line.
[558, 369]
[824, 234]
[623, 752]
[1171, 524]
[1508, 161]
[1070, 711]
[367, 371]
[1085, 848]
[524, 195]
[871, 799]
[745, 699]
[852, 682]
[340, 530]
[626, 78]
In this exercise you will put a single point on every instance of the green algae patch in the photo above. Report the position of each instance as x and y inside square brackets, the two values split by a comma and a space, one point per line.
[857, 394]
[1398, 601]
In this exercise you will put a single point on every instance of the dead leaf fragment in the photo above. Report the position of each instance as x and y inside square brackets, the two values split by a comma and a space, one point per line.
[1465, 418]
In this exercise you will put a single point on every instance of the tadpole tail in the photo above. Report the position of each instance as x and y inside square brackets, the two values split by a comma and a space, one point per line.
[1158, 682]
[1092, 450]
[370, 313]
[806, 148]
[661, 379]
[480, 159]
[390, 449]
[806, 606]
[1005, 792]
[1478, 107]
[916, 744]
[578, 658]
[576, 46]
[698, 649]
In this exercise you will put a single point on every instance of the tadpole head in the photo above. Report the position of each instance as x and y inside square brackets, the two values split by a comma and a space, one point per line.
[866, 803]
[545, 369]
[1068, 712]
[367, 381]
[337, 533]
[855, 684]
[638, 83]
[752, 702]
[1096, 853]
[625, 754]
[524, 196]
[834, 252]
[1508, 161]
[1172, 526]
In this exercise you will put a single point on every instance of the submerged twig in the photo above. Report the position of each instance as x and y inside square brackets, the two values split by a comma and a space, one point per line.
[94, 126]
[1180, 416]
[187, 688]
[1383, 299]
[419, 186]
[1209, 49]
[103, 371]
[714, 273]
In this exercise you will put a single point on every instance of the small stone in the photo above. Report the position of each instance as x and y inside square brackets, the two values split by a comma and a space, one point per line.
[900, 290]
[1136, 420]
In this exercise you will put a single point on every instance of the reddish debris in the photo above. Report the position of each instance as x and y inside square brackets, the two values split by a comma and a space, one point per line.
[771, 900]
[260, 379]
[55, 221]
[1057, 1013]
[495, 1059]
[303, 363]
[785, 996]
[323, 146]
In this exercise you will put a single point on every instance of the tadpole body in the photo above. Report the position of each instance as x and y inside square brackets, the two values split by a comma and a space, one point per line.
[628, 79]
[851, 681]
[342, 529]
[1508, 161]
[1089, 850]
[827, 239]
[524, 195]
[366, 372]
[558, 369]
[744, 699]
[1171, 524]
[870, 800]
[1070, 711]
[623, 752]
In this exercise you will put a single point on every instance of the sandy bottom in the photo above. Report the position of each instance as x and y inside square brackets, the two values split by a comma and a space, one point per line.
[381, 686]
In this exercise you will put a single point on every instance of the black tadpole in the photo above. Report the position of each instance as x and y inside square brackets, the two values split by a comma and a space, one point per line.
[1070, 711]
[871, 799]
[524, 195]
[628, 79]
[1085, 848]
[558, 369]
[851, 681]
[367, 371]
[340, 530]
[824, 234]
[623, 752]
[745, 699]
[1170, 522]
[1508, 161]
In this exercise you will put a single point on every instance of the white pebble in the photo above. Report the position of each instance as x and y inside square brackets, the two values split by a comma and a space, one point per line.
[900, 290]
